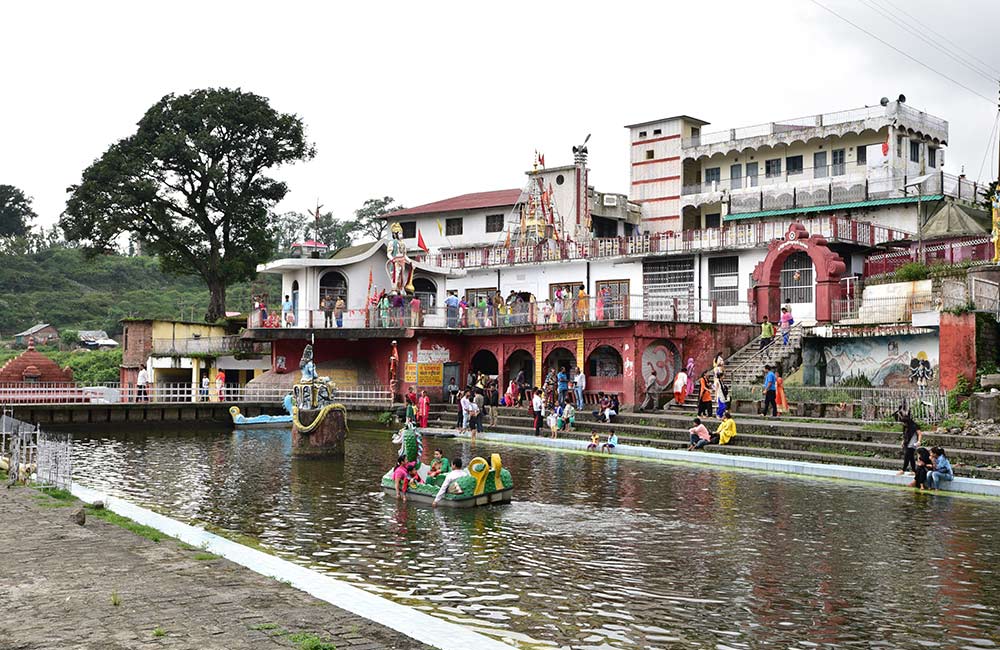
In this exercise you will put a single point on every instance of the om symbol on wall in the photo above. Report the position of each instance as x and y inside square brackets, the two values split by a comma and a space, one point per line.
[664, 358]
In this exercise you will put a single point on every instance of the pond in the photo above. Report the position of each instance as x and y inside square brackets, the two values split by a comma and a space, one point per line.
[594, 552]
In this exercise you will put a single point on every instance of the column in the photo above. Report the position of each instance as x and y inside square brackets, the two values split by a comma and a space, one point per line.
[195, 378]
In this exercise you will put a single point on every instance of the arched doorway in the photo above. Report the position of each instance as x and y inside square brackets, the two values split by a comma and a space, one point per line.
[332, 285]
[426, 290]
[485, 362]
[295, 300]
[559, 358]
[605, 361]
[798, 286]
[520, 360]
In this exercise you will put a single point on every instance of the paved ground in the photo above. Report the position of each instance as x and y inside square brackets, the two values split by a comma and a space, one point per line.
[57, 582]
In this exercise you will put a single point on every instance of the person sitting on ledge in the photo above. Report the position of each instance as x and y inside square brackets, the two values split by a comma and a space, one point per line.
[699, 435]
[602, 403]
[923, 465]
[449, 481]
[942, 470]
[727, 429]
[401, 476]
[439, 465]
[612, 442]
[595, 440]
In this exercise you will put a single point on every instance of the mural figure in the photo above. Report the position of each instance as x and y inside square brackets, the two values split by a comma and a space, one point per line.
[399, 267]
[920, 370]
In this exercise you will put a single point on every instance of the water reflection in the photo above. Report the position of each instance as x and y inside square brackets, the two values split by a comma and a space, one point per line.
[596, 552]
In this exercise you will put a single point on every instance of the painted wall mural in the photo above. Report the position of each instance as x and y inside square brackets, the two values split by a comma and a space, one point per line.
[894, 361]
[663, 357]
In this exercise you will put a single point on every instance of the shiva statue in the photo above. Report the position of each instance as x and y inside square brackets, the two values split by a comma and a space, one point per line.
[399, 267]
[307, 365]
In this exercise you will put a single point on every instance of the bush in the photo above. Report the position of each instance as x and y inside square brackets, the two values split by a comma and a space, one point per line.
[911, 272]
[856, 381]
[957, 395]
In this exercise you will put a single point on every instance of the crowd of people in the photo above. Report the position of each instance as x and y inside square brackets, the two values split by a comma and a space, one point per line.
[443, 472]
[930, 467]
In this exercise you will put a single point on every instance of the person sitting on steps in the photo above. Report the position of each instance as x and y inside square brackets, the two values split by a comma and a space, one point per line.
[699, 435]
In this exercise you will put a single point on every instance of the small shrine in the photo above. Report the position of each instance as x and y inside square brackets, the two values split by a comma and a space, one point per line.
[33, 367]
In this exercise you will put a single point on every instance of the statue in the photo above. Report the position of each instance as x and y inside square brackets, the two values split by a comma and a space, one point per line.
[399, 267]
[307, 366]
[996, 227]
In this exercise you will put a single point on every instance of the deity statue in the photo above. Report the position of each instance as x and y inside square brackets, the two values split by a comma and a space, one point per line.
[399, 267]
[307, 365]
[996, 227]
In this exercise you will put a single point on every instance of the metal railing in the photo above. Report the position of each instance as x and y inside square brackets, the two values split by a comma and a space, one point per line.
[176, 393]
[974, 250]
[589, 310]
[883, 310]
[772, 353]
[928, 404]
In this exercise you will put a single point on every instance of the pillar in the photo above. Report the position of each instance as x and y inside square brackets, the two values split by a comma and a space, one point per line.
[195, 378]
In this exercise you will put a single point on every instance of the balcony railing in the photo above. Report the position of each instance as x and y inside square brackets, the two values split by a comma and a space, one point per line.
[883, 310]
[207, 345]
[903, 111]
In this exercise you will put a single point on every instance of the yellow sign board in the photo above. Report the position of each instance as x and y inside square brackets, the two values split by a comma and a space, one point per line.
[431, 374]
[410, 373]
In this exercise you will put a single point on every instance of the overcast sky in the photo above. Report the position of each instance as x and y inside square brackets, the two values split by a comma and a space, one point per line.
[426, 100]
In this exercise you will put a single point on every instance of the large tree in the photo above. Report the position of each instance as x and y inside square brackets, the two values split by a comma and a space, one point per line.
[370, 217]
[15, 212]
[190, 184]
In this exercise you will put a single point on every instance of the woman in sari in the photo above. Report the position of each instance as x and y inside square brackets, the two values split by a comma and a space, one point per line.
[690, 374]
[599, 307]
[513, 393]
[582, 307]
[780, 399]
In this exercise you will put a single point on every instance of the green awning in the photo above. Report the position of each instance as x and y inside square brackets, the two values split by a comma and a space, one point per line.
[836, 206]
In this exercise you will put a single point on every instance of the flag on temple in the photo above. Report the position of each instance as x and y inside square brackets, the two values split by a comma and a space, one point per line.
[420, 242]
[370, 278]
[507, 242]
[440, 229]
[541, 159]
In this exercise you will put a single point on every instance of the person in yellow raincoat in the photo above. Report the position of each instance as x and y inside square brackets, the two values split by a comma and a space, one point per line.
[727, 429]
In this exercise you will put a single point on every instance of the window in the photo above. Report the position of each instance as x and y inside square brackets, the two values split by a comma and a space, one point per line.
[794, 165]
[724, 280]
[453, 226]
[665, 280]
[713, 220]
[914, 151]
[409, 229]
[819, 165]
[862, 155]
[649, 154]
[657, 131]
[837, 167]
[752, 174]
[615, 304]
[735, 177]
[695, 132]
[560, 179]
[931, 157]
[642, 134]
[797, 279]
[494, 222]
[899, 146]
[772, 168]
[712, 175]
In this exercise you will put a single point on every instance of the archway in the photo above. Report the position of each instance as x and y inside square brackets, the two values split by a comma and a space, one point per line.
[485, 362]
[333, 285]
[765, 295]
[605, 361]
[520, 360]
[797, 286]
[559, 358]
[425, 289]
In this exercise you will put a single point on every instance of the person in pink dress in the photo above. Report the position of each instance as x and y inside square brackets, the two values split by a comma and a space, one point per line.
[423, 409]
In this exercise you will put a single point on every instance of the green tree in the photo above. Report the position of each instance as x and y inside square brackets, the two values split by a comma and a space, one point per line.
[335, 233]
[190, 184]
[291, 227]
[370, 217]
[15, 212]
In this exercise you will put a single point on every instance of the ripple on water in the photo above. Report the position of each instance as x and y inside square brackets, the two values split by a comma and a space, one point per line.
[596, 552]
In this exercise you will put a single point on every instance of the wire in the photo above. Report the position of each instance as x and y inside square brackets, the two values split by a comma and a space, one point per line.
[912, 58]
[886, 14]
[989, 147]
[986, 66]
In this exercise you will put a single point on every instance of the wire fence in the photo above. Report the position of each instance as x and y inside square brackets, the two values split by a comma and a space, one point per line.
[928, 404]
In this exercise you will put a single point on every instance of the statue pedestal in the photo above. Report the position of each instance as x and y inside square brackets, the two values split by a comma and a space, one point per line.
[323, 440]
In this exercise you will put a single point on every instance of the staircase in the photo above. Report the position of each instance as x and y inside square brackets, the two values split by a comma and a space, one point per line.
[746, 366]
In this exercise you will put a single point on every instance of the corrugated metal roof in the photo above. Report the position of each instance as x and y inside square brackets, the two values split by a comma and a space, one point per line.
[836, 206]
[33, 329]
[494, 199]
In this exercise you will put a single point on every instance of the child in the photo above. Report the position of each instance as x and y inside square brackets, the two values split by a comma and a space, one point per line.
[595, 440]
[923, 465]
[553, 421]
[612, 442]
[941, 469]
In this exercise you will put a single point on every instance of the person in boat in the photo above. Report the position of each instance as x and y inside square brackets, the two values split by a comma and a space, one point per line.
[423, 409]
[439, 464]
[726, 430]
[449, 484]
[699, 435]
[612, 442]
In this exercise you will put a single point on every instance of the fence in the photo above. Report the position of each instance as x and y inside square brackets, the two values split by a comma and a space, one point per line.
[411, 313]
[34, 455]
[927, 405]
[882, 310]
[176, 393]
[979, 249]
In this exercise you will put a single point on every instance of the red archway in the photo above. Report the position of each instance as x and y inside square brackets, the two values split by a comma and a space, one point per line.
[765, 295]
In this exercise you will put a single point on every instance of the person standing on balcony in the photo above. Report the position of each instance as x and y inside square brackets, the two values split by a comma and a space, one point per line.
[786, 323]
[582, 306]
[415, 314]
[287, 315]
[766, 332]
[602, 297]
[451, 308]
[770, 391]
[338, 311]
[220, 385]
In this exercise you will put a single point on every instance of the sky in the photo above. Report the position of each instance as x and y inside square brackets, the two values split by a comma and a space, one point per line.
[426, 100]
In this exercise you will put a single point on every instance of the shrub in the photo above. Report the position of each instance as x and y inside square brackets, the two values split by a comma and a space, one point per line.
[911, 272]
[957, 395]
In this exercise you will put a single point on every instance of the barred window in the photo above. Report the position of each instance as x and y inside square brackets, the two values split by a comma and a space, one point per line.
[453, 226]
[724, 280]
[494, 222]
[797, 279]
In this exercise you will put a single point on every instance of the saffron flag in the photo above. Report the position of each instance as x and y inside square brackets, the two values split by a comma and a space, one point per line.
[440, 229]
[507, 242]
[541, 159]
[370, 278]
[420, 242]
[885, 146]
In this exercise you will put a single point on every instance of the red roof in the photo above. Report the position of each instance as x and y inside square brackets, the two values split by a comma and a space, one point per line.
[310, 242]
[473, 201]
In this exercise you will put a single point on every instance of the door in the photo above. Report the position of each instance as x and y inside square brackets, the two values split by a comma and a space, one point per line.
[615, 303]
[838, 167]
[736, 177]
[751, 174]
[452, 369]
[819, 165]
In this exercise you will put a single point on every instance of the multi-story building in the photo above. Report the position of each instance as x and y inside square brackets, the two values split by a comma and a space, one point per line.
[718, 228]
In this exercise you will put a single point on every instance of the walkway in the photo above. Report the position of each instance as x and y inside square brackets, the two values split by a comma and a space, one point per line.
[60, 581]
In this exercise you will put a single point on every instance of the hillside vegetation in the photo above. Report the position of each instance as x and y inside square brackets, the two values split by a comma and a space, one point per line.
[61, 286]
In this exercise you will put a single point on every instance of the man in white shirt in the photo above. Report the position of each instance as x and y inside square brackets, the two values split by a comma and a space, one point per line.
[449, 480]
[580, 383]
[537, 406]
[140, 384]
[467, 407]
